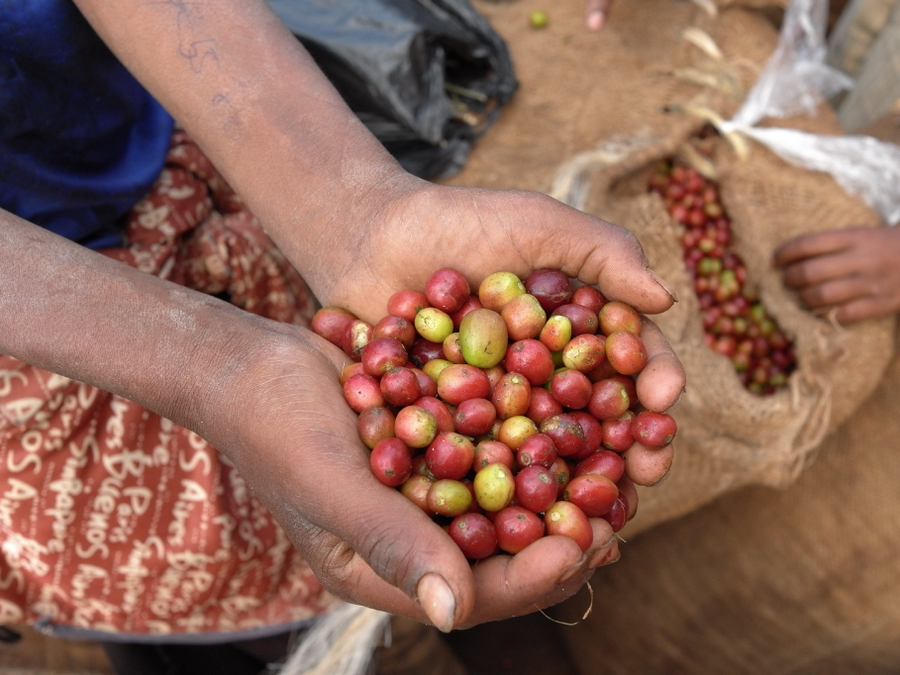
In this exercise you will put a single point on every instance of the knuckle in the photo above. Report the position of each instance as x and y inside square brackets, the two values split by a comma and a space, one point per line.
[388, 554]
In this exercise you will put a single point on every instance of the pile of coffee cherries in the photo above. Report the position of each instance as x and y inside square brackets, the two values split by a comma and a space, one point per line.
[735, 322]
[501, 411]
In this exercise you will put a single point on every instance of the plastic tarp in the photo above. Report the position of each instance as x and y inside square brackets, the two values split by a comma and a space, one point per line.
[427, 77]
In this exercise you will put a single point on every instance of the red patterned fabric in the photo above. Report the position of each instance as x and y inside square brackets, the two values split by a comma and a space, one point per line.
[115, 519]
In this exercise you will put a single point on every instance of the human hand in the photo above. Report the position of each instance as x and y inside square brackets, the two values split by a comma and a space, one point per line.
[418, 228]
[291, 436]
[596, 12]
[852, 273]
[267, 396]
[425, 227]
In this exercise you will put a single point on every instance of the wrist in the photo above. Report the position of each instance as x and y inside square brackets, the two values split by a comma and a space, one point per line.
[82, 315]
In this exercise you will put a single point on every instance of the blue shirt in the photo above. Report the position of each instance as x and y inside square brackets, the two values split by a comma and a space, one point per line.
[81, 141]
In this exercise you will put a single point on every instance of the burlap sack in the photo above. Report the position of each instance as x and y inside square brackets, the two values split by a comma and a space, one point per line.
[799, 581]
[650, 74]
[729, 437]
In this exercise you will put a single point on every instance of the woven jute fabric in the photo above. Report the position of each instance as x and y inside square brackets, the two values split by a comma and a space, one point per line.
[614, 106]
[729, 437]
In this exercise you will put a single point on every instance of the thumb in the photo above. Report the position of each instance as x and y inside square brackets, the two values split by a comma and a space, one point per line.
[384, 552]
[622, 272]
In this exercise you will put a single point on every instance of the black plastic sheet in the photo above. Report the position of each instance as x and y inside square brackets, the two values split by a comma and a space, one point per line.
[427, 77]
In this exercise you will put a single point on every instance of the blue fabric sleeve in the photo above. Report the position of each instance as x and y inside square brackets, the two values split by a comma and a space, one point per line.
[81, 141]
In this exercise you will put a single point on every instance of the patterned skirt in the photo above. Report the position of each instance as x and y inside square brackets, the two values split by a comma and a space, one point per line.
[117, 520]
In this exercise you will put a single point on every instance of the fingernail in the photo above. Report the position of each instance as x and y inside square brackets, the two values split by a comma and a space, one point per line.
[603, 554]
[596, 20]
[573, 570]
[605, 557]
[436, 599]
[662, 283]
[663, 479]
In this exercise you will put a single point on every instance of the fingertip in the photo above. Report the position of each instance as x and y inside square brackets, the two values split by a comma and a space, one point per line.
[595, 20]
[555, 552]
[649, 294]
[648, 467]
[781, 257]
[661, 384]
[776, 258]
[605, 548]
[605, 556]
[437, 600]
[576, 568]
[417, 557]
[662, 283]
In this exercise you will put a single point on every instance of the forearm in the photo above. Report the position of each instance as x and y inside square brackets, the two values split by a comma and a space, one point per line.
[80, 314]
[251, 96]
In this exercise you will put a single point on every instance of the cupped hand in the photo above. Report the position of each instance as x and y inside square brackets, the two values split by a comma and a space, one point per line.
[479, 232]
[290, 434]
[852, 274]
[368, 543]
[596, 12]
